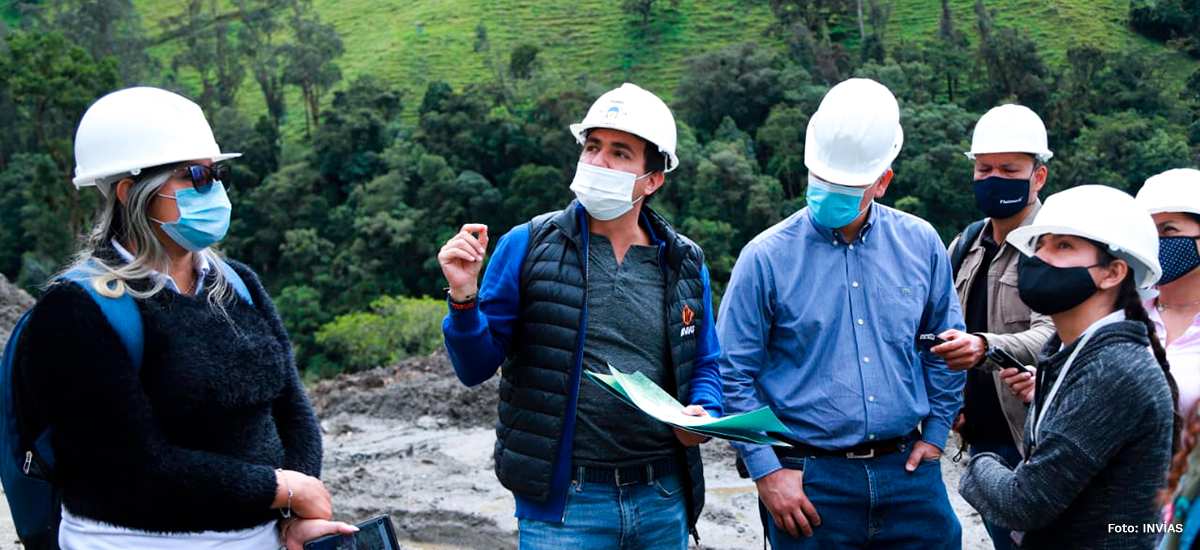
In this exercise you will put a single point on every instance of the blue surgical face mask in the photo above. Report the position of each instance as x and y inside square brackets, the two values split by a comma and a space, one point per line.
[203, 217]
[1178, 257]
[833, 206]
[1000, 197]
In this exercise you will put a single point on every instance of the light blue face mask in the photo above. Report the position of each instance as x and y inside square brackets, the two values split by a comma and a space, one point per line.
[203, 217]
[833, 206]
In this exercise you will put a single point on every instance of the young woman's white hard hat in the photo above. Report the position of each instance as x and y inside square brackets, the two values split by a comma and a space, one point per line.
[1102, 214]
[855, 134]
[1175, 190]
[636, 111]
[136, 128]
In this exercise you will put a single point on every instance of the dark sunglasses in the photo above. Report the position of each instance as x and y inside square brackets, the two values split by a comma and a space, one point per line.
[204, 176]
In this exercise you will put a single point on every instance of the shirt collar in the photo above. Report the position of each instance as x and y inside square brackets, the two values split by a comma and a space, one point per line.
[202, 267]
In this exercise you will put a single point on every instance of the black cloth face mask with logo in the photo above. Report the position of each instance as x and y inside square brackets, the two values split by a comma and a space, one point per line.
[1048, 290]
[1000, 197]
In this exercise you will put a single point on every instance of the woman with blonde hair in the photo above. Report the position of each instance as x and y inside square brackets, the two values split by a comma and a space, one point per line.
[198, 433]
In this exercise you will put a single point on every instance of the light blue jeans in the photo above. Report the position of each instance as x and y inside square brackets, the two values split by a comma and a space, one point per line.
[650, 516]
[873, 503]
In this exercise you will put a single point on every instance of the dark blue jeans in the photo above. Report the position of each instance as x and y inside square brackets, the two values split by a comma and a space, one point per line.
[874, 503]
[649, 516]
[1001, 537]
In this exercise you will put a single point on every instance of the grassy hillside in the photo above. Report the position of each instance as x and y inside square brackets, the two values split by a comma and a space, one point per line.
[410, 43]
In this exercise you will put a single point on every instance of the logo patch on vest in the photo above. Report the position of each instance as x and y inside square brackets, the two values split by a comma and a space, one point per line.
[688, 316]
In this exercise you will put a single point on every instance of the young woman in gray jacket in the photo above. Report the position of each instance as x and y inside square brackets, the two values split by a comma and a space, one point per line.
[1102, 424]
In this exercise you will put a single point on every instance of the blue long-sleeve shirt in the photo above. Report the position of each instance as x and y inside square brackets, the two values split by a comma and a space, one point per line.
[479, 339]
[824, 332]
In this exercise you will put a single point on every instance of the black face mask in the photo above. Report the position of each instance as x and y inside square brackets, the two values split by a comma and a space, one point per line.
[1049, 290]
[1001, 197]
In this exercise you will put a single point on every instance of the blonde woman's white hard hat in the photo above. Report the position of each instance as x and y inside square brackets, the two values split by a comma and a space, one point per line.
[129, 130]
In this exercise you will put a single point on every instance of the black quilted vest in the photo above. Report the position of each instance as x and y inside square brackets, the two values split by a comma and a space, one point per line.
[545, 358]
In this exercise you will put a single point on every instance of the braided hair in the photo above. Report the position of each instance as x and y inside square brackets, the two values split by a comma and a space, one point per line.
[1179, 462]
[1129, 301]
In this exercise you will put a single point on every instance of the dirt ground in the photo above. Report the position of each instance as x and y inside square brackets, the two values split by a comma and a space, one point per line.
[410, 441]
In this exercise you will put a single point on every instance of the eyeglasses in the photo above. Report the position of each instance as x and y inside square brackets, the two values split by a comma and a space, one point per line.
[204, 176]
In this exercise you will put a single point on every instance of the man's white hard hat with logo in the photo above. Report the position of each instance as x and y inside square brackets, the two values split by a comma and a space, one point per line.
[636, 111]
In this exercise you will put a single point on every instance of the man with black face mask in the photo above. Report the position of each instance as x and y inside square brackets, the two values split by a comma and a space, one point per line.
[1009, 149]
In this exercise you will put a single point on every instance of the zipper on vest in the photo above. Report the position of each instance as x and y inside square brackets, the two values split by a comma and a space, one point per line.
[577, 368]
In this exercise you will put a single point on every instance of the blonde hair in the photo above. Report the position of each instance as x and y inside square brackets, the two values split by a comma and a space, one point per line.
[129, 223]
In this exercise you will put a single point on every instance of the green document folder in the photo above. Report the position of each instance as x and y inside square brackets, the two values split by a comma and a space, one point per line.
[639, 392]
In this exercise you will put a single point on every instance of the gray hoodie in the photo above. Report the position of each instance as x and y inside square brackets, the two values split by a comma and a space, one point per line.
[1102, 451]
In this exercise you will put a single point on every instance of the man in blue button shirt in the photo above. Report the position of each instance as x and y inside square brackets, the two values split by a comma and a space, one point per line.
[820, 322]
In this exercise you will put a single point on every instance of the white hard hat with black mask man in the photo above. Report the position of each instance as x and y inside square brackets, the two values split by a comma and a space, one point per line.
[1009, 150]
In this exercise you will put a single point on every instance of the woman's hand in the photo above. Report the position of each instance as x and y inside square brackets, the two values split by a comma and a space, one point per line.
[1021, 384]
[309, 497]
[300, 531]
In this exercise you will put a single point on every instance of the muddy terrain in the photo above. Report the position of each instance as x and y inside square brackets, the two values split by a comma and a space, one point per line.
[412, 442]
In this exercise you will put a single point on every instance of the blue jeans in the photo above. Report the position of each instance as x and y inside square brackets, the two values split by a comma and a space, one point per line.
[649, 516]
[873, 503]
[1001, 537]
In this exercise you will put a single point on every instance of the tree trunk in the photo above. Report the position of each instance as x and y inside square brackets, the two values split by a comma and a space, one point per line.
[862, 29]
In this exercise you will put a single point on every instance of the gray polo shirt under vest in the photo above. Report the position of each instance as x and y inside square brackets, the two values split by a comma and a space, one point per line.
[625, 327]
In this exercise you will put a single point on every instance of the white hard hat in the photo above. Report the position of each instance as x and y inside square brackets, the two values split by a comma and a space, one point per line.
[1010, 129]
[855, 134]
[135, 128]
[636, 111]
[1175, 190]
[1103, 214]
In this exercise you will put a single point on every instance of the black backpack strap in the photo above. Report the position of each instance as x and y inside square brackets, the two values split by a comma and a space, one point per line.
[963, 244]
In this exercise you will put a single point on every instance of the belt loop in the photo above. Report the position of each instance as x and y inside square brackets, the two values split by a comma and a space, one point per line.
[650, 473]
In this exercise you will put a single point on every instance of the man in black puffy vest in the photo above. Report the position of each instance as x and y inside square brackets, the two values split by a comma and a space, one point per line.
[604, 281]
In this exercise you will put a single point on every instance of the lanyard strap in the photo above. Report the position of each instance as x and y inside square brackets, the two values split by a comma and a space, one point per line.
[1037, 424]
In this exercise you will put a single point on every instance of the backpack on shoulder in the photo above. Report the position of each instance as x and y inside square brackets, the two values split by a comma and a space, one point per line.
[968, 236]
[26, 455]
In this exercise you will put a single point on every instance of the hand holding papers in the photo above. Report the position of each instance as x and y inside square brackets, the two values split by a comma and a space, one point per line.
[643, 394]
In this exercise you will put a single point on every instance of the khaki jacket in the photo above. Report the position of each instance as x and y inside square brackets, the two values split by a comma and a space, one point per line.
[1011, 325]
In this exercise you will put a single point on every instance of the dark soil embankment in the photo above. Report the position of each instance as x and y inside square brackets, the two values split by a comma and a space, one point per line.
[414, 388]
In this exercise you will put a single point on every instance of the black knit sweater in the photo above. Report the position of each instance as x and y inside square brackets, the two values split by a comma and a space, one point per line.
[192, 443]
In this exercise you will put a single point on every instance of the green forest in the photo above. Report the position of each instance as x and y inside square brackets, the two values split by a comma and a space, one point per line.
[373, 130]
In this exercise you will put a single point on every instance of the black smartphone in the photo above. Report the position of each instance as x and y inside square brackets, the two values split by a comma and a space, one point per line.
[373, 534]
[1005, 360]
[926, 342]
